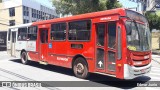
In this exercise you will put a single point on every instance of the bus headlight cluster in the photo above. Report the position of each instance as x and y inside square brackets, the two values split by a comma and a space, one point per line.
[137, 63]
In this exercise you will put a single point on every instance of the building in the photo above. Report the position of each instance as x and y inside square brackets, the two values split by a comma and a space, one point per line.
[151, 5]
[14, 12]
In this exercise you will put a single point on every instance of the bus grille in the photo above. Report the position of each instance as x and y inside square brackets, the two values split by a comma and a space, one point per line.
[140, 61]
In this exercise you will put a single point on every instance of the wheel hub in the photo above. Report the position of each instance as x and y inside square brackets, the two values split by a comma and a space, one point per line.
[80, 68]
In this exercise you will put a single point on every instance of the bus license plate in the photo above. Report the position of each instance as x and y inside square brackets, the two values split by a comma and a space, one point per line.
[143, 70]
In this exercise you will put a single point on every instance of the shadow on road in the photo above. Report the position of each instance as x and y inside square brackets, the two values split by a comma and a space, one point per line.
[97, 79]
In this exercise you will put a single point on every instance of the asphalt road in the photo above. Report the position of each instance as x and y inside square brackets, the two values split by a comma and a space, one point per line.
[11, 69]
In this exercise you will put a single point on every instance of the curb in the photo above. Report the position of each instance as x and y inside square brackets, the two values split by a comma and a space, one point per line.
[155, 52]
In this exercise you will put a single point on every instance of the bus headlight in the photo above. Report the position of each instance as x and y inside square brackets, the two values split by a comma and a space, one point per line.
[137, 63]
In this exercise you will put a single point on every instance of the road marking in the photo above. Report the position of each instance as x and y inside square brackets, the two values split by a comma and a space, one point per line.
[155, 70]
[151, 88]
[155, 78]
[154, 73]
[155, 67]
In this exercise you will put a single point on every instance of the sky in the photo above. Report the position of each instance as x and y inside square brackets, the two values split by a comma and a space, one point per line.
[128, 4]
[45, 2]
[125, 3]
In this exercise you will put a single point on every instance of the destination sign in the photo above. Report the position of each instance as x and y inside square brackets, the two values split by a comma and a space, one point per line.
[136, 16]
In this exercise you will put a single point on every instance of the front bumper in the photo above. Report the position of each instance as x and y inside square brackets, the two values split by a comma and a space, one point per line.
[131, 72]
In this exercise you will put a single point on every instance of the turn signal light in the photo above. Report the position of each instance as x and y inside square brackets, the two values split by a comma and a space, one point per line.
[119, 65]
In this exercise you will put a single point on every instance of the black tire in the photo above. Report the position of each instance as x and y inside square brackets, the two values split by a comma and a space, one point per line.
[80, 68]
[24, 58]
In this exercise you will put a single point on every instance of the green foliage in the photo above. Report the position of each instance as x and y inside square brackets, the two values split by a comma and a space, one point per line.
[75, 7]
[111, 4]
[154, 20]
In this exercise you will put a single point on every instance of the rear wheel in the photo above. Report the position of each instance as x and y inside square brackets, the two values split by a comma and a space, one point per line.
[24, 58]
[80, 68]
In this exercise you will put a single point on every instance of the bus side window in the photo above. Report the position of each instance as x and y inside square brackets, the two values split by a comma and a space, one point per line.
[22, 34]
[32, 33]
[44, 36]
[100, 34]
[79, 30]
[58, 31]
[112, 35]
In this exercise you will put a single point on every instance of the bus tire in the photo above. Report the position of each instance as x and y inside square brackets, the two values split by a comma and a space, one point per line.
[80, 68]
[24, 58]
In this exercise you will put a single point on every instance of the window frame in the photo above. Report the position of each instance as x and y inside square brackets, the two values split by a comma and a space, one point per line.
[116, 28]
[12, 11]
[90, 31]
[25, 11]
[25, 33]
[97, 37]
[28, 33]
[64, 31]
[25, 21]
[13, 22]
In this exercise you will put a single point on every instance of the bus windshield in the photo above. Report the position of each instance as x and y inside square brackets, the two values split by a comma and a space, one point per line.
[138, 36]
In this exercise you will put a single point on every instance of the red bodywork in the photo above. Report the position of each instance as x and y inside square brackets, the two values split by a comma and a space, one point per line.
[61, 53]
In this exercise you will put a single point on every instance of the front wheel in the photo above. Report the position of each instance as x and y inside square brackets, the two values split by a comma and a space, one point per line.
[24, 58]
[80, 68]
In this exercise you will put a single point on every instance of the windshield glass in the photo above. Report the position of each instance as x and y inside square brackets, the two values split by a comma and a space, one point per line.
[138, 36]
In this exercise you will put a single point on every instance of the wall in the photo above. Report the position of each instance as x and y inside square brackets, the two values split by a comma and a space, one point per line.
[4, 17]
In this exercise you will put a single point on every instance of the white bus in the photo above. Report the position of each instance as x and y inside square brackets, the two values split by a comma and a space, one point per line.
[17, 40]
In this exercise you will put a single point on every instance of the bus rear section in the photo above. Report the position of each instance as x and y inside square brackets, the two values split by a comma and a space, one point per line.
[17, 39]
[11, 42]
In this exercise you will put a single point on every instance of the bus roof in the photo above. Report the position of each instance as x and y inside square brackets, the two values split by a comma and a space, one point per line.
[119, 11]
[20, 25]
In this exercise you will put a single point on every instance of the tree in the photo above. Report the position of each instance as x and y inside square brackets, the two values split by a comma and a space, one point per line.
[75, 7]
[111, 4]
[154, 20]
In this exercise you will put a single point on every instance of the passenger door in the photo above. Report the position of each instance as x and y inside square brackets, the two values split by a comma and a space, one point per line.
[111, 48]
[13, 43]
[43, 47]
[106, 47]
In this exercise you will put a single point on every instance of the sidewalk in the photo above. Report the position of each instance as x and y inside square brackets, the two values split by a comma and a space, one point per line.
[156, 56]
[2, 53]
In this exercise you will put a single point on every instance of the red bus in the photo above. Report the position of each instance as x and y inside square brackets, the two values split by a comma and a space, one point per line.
[114, 42]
